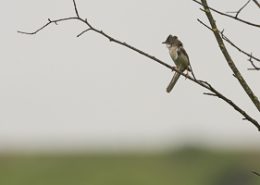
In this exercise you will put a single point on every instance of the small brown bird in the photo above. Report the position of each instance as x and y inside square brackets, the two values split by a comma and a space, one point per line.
[179, 56]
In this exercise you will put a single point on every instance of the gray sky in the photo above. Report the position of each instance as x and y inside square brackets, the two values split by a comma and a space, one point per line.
[58, 91]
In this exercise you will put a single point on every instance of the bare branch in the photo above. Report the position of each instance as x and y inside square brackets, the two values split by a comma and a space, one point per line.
[201, 83]
[230, 16]
[257, 3]
[228, 58]
[210, 94]
[251, 57]
[85, 31]
[47, 24]
[254, 66]
[204, 24]
[75, 7]
[239, 11]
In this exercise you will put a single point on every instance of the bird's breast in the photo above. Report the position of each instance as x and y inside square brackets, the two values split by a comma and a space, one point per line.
[179, 58]
[173, 52]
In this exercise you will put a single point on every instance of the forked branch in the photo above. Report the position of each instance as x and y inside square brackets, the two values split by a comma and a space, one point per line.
[240, 10]
[227, 56]
[230, 16]
[251, 59]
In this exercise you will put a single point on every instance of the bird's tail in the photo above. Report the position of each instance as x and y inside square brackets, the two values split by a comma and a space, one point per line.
[173, 82]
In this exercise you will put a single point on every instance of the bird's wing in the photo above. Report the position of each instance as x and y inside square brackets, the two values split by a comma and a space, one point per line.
[181, 50]
[189, 68]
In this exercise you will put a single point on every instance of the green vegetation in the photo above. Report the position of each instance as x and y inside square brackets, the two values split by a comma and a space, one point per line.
[185, 167]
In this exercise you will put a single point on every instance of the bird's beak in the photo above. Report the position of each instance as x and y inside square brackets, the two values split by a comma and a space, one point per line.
[164, 42]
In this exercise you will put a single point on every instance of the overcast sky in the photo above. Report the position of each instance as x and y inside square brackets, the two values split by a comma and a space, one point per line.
[58, 91]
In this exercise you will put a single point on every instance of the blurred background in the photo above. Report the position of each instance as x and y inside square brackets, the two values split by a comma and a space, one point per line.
[187, 166]
[86, 111]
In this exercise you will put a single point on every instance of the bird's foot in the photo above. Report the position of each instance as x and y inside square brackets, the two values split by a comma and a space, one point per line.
[187, 75]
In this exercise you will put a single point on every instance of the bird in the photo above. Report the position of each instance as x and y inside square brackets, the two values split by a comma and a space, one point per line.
[180, 58]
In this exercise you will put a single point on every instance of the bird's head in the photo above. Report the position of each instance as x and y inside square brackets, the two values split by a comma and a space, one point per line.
[172, 41]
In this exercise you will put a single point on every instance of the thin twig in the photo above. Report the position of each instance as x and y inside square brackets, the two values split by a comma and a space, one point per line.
[219, 95]
[47, 24]
[210, 94]
[75, 7]
[228, 58]
[250, 55]
[253, 64]
[83, 32]
[201, 83]
[230, 16]
[239, 11]
[204, 24]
